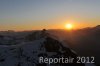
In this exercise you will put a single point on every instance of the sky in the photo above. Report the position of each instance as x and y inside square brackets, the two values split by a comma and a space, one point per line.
[49, 14]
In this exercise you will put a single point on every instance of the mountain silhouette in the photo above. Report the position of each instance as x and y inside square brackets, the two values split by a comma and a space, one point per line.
[85, 42]
[25, 48]
[38, 44]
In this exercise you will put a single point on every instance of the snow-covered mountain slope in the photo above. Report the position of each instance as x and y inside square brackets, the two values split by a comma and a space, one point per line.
[28, 53]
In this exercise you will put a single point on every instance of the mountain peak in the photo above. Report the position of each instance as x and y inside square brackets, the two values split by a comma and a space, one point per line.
[36, 35]
[98, 26]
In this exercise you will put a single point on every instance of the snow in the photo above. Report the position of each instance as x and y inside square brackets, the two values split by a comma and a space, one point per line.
[25, 53]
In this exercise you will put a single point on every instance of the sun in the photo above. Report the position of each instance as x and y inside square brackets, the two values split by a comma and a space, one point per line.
[69, 26]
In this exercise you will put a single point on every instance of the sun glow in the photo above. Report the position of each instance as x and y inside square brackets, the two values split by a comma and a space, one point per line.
[69, 26]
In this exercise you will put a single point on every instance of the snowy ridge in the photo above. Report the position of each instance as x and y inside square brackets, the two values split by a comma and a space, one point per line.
[28, 53]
